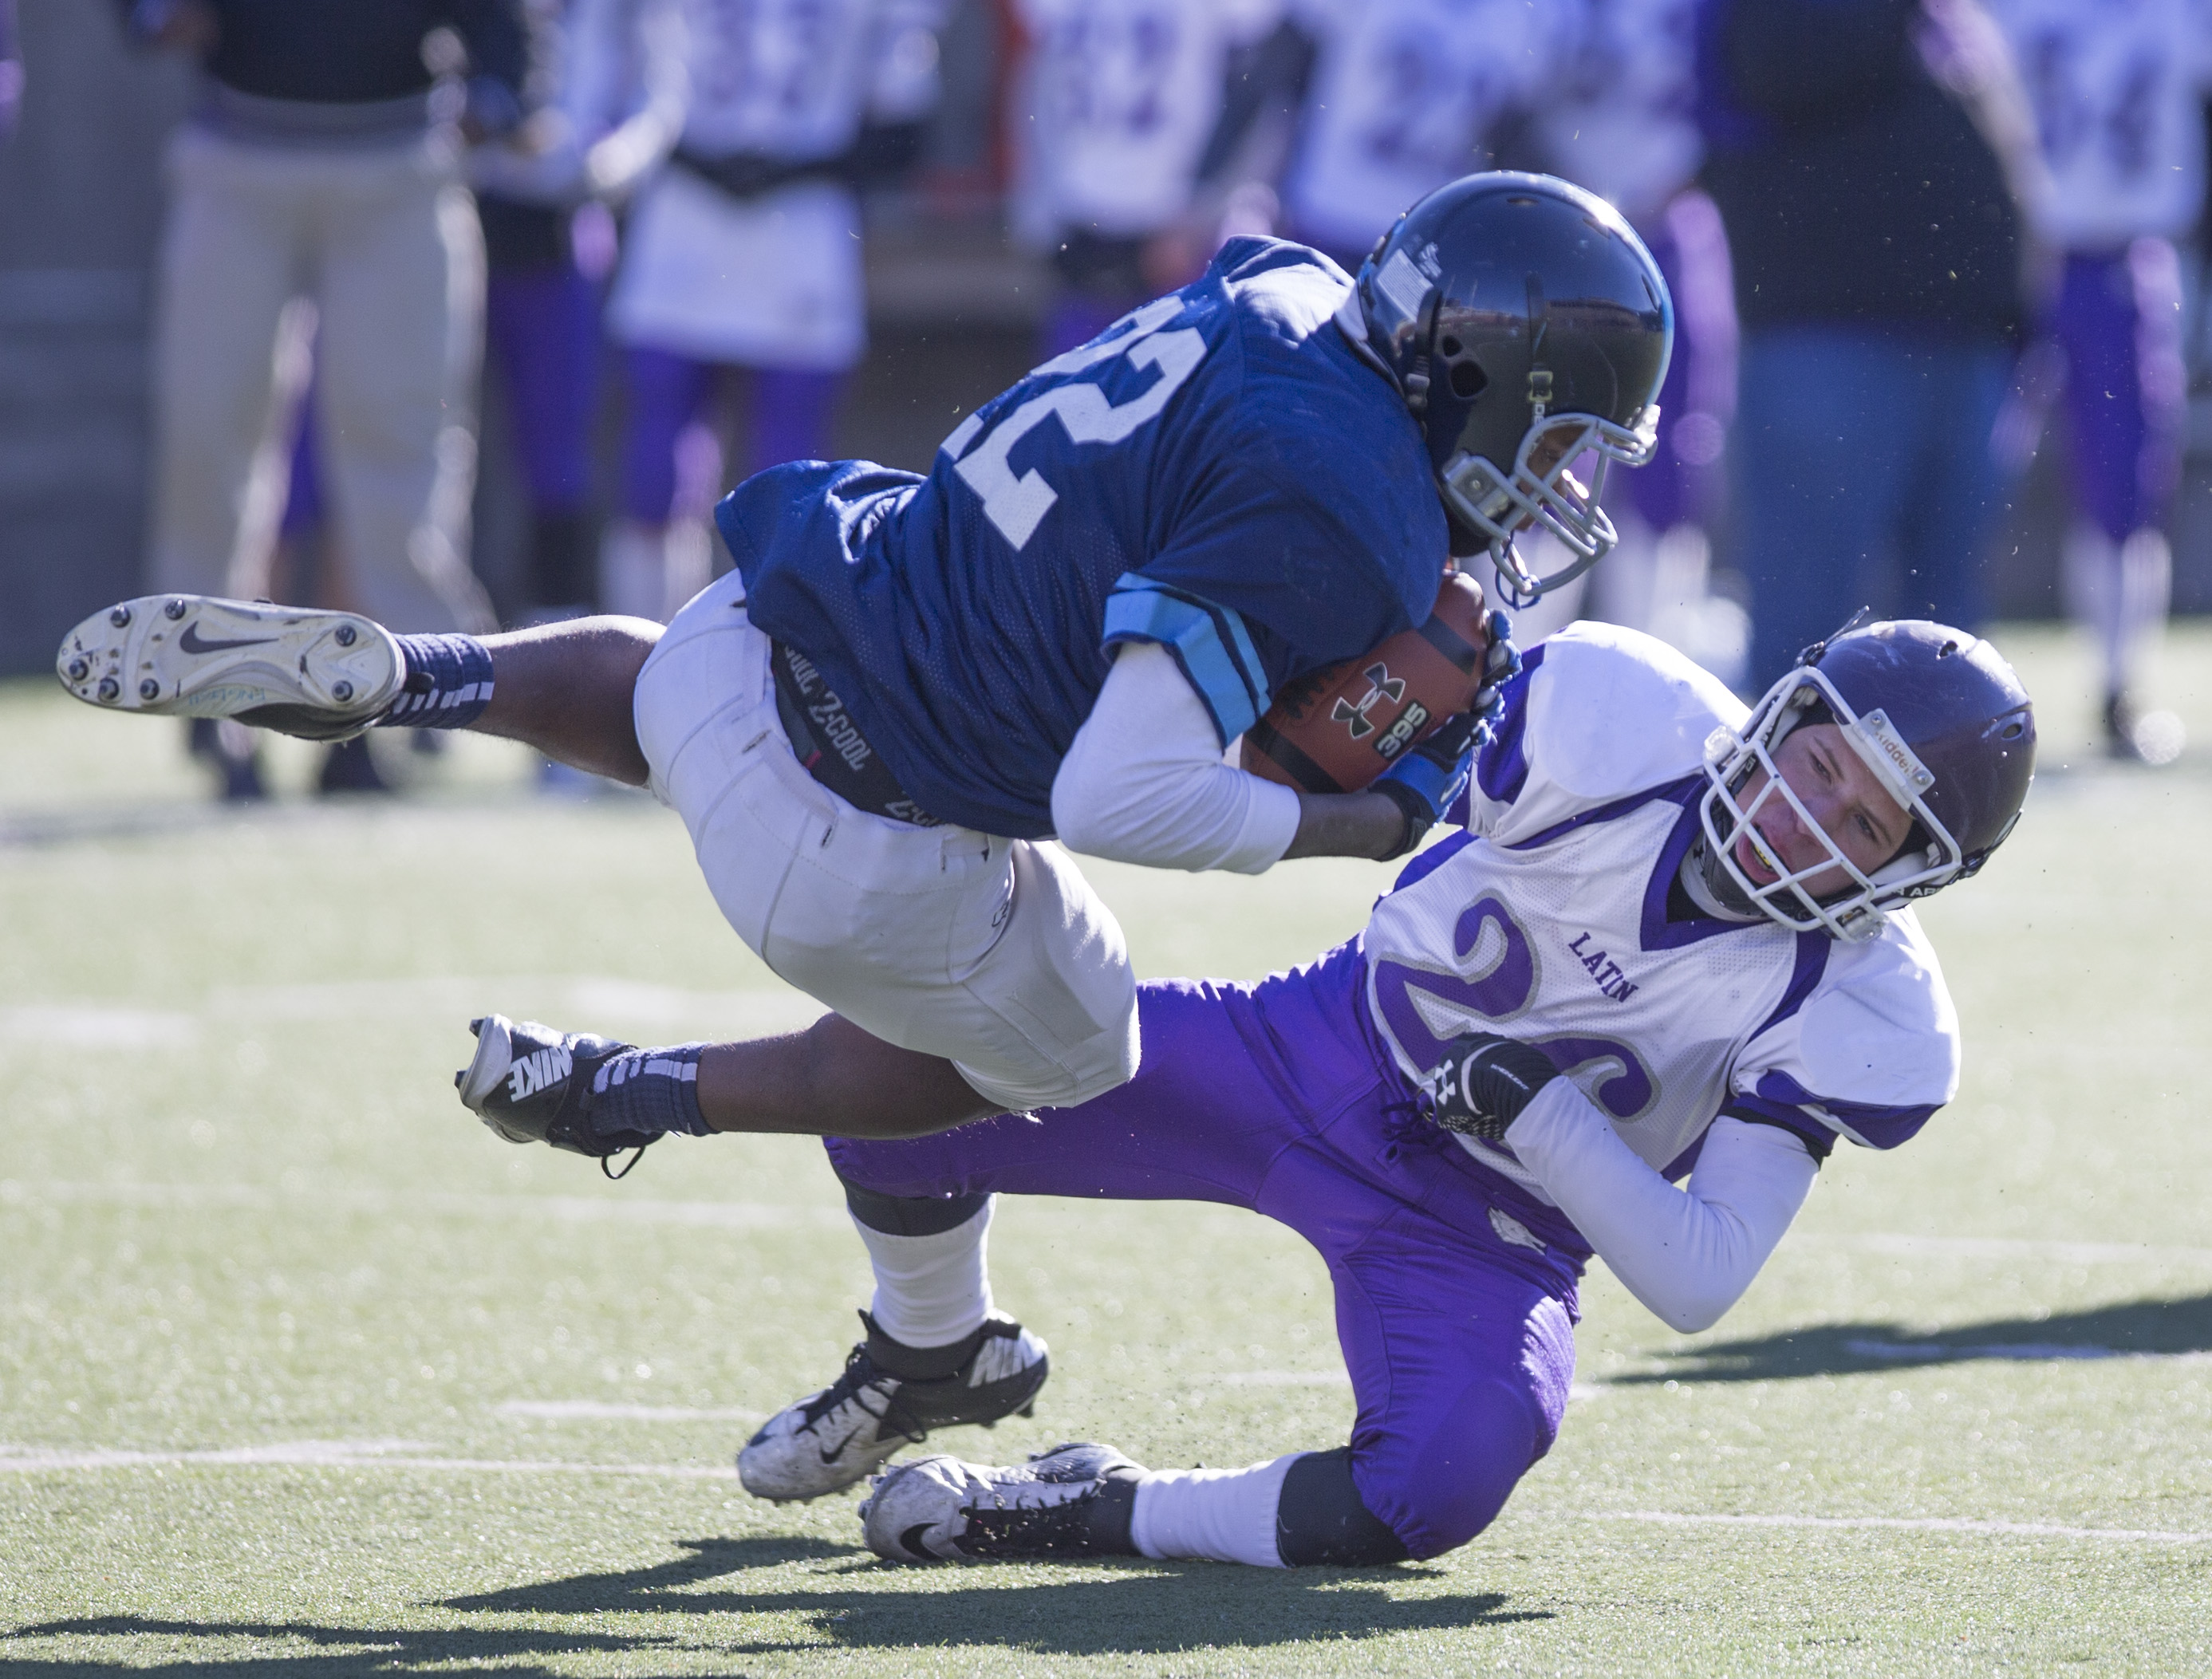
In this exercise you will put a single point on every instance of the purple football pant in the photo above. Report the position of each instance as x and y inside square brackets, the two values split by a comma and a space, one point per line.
[785, 414]
[2117, 323]
[544, 328]
[1277, 1097]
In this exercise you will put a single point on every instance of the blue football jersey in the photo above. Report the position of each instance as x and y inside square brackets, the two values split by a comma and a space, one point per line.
[1218, 471]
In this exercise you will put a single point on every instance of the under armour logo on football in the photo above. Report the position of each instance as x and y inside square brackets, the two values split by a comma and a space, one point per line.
[1381, 686]
[534, 1072]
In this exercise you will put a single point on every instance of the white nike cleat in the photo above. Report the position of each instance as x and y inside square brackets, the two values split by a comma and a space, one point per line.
[321, 676]
[1072, 1501]
[832, 1438]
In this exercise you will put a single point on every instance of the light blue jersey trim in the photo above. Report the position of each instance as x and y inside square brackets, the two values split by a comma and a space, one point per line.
[1209, 643]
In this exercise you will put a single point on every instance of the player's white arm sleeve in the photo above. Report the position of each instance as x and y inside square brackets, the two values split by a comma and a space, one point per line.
[1144, 781]
[1689, 1253]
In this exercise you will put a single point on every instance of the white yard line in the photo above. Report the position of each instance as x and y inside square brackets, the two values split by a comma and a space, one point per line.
[595, 1410]
[413, 1455]
[1913, 1523]
[318, 1203]
[2001, 1247]
[334, 1454]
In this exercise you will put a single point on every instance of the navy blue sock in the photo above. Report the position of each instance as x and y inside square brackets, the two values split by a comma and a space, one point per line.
[448, 683]
[648, 1092]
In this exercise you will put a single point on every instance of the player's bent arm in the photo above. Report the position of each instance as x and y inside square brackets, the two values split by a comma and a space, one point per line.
[1144, 781]
[1689, 1253]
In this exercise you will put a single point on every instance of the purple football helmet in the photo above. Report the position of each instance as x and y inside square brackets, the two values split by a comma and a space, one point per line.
[1946, 728]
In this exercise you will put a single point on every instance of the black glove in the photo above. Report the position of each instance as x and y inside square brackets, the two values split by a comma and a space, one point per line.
[1483, 1083]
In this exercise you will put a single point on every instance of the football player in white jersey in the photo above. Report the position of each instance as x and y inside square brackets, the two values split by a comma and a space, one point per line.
[2118, 90]
[1123, 97]
[745, 254]
[1669, 963]
[1400, 97]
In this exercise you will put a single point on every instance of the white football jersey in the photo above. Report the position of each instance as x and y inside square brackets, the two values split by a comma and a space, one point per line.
[1403, 94]
[1620, 121]
[1123, 96]
[2116, 86]
[794, 78]
[1549, 921]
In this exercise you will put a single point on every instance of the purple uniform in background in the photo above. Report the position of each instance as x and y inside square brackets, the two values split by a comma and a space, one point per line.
[2117, 323]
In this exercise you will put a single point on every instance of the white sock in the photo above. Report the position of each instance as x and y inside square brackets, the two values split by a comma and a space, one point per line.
[2118, 593]
[2146, 589]
[931, 1290]
[1219, 1515]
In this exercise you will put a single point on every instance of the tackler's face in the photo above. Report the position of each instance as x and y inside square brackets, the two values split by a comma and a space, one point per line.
[1836, 805]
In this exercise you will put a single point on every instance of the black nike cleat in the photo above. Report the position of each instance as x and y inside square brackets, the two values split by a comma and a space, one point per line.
[321, 676]
[529, 1083]
[1072, 1501]
[832, 1438]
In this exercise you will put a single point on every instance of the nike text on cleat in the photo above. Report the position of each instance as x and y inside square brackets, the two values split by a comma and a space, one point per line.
[529, 1083]
[322, 676]
[1072, 1501]
[842, 1434]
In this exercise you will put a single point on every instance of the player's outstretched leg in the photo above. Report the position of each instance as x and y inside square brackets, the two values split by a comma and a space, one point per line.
[596, 1096]
[565, 688]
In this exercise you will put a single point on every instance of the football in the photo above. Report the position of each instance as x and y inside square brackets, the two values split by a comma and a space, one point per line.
[1336, 729]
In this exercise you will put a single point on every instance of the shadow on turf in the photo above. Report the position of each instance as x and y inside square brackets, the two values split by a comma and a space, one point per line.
[2137, 1327]
[1146, 1607]
[1103, 1608]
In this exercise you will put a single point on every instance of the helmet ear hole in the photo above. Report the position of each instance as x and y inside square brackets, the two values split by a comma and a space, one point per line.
[1468, 380]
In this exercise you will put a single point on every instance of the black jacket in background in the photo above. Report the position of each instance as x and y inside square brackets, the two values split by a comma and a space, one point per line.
[353, 51]
[1855, 187]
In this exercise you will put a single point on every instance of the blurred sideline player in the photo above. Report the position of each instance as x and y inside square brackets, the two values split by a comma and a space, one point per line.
[908, 686]
[1676, 940]
[11, 71]
[1621, 123]
[743, 257]
[1124, 98]
[1399, 97]
[2119, 93]
[317, 164]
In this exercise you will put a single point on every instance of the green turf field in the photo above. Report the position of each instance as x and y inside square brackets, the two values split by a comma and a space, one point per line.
[301, 1371]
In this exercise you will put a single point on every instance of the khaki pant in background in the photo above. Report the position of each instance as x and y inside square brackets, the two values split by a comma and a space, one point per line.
[383, 241]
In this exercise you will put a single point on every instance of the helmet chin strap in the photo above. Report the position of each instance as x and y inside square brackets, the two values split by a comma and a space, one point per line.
[1713, 889]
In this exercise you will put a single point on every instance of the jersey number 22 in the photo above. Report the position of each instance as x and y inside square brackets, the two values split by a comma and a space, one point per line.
[1016, 503]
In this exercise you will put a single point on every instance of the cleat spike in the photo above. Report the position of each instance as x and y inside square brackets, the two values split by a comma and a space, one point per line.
[347, 635]
[149, 689]
[174, 610]
[342, 692]
[78, 670]
[120, 618]
[109, 691]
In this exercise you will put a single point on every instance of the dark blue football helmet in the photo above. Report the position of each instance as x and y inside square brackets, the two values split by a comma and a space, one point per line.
[1526, 325]
[1944, 724]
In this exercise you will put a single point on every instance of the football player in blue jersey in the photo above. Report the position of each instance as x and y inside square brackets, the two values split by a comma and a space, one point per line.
[910, 685]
